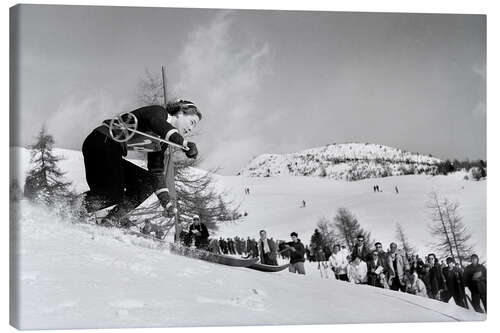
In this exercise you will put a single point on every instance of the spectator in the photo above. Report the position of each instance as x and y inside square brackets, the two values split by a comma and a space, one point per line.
[360, 249]
[475, 280]
[381, 253]
[223, 245]
[415, 285]
[454, 284]
[436, 284]
[397, 267]
[267, 250]
[255, 248]
[338, 262]
[199, 232]
[213, 246]
[376, 271]
[357, 271]
[230, 246]
[296, 250]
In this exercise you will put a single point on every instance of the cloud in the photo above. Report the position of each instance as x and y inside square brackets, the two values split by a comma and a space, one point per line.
[78, 114]
[223, 74]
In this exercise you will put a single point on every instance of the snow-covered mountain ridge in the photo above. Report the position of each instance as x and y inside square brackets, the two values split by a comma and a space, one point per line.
[346, 161]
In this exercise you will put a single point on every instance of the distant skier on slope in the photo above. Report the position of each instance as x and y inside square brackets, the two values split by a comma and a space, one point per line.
[114, 180]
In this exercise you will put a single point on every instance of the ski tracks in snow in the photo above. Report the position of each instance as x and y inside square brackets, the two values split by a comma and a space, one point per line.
[252, 299]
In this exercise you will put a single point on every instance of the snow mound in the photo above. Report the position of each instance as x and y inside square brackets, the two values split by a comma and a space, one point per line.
[82, 276]
[349, 161]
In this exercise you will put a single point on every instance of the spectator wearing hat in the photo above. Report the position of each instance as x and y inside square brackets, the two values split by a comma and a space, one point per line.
[475, 280]
[199, 233]
[297, 251]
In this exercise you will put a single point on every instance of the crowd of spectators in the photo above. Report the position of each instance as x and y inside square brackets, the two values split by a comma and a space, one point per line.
[396, 270]
[392, 269]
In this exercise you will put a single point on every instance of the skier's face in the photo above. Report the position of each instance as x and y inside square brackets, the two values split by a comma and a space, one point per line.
[185, 123]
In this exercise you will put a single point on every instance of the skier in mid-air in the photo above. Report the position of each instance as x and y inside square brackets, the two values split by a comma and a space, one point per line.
[114, 180]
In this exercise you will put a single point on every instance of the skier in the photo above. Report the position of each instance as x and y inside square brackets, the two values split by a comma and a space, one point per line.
[114, 180]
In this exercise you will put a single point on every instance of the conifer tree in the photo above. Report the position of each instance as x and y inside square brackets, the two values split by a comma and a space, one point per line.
[349, 228]
[44, 182]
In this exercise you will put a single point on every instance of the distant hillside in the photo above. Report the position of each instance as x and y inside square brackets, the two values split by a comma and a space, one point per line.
[347, 161]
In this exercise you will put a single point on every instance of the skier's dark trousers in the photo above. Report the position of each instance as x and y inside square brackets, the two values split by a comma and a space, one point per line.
[114, 180]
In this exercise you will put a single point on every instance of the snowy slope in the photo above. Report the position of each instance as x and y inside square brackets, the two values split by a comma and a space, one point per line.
[347, 161]
[274, 202]
[82, 276]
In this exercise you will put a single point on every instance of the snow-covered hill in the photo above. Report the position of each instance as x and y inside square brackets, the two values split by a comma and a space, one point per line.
[274, 202]
[84, 276]
[349, 161]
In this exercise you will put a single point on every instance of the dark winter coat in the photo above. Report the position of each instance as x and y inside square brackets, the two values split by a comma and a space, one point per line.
[363, 253]
[298, 254]
[436, 280]
[454, 280]
[374, 279]
[475, 278]
[201, 238]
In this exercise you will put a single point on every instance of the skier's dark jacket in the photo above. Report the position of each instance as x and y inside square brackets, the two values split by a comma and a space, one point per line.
[154, 120]
[298, 254]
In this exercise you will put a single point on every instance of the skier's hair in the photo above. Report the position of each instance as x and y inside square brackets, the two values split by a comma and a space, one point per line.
[183, 106]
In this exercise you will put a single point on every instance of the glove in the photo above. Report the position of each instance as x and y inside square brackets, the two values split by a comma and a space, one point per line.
[192, 152]
[169, 211]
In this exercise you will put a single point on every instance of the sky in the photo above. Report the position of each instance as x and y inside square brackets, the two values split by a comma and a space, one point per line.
[265, 81]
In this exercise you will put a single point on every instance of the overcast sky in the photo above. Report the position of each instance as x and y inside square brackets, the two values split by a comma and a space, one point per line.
[265, 81]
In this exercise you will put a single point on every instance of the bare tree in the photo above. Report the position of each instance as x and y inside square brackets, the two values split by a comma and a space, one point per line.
[460, 234]
[403, 239]
[439, 228]
[452, 238]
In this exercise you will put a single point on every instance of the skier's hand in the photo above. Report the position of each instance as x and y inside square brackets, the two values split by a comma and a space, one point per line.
[169, 211]
[193, 151]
